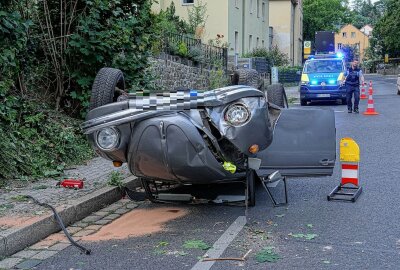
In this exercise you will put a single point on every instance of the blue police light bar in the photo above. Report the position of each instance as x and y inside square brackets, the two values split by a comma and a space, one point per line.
[332, 82]
[340, 55]
[314, 82]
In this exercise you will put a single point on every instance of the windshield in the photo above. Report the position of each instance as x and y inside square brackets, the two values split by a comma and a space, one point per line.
[323, 66]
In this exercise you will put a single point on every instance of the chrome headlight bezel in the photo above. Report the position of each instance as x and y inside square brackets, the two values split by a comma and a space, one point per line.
[115, 143]
[237, 106]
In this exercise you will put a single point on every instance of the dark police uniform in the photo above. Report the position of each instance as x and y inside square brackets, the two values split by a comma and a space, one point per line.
[353, 87]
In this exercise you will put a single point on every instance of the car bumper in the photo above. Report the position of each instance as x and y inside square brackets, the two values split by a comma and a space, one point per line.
[322, 93]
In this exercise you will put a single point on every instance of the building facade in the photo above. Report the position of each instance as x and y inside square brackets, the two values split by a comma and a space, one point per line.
[351, 35]
[286, 20]
[243, 23]
[367, 29]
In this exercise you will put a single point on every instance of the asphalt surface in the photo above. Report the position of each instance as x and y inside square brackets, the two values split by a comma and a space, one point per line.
[361, 235]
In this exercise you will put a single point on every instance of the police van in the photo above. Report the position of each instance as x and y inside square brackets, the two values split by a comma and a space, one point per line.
[323, 79]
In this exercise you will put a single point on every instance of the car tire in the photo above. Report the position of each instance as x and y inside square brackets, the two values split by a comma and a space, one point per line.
[107, 86]
[303, 102]
[251, 185]
[249, 77]
[276, 94]
[398, 91]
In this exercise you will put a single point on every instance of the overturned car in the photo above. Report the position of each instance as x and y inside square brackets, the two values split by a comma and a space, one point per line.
[234, 133]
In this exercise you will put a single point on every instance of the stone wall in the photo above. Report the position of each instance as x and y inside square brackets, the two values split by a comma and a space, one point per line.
[172, 72]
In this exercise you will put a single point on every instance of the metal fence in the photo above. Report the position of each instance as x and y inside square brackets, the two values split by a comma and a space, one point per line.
[193, 49]
[289, 75]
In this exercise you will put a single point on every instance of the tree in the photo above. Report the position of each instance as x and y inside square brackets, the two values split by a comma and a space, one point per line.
[324, 15]
[386, 30]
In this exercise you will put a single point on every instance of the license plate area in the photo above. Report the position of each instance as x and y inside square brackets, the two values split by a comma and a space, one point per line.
[323, 95]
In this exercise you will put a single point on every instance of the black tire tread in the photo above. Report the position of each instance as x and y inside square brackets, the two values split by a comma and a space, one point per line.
[248, 77]
[103, 89]
[276, 94]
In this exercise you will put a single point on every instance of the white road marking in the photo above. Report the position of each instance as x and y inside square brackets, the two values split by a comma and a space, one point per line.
[222, 243]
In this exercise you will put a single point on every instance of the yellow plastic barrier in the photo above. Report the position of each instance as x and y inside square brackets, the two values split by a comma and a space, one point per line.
[349, 150]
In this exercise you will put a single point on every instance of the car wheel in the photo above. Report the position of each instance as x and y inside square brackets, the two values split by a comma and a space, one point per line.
[303, 102]
[249, 77]
[251, 186]
[276, 94]
[108, 85]
[398, 91]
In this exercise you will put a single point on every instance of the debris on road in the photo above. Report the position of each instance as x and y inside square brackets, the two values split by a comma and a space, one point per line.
[242, 259]
[309, 236]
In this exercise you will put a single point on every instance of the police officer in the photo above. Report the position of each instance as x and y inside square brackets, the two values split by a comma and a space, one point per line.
[353, 77]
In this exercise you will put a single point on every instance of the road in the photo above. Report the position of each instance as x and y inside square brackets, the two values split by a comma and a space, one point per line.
[361, 235]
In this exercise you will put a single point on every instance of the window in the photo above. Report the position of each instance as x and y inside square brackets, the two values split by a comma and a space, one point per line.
[263, 43]
[353, 34]
[344, 34]
[258, 42]
[250, 42]
[258, 8]
[251, 6]
[263, 11]
[187, 2]
[339, 46]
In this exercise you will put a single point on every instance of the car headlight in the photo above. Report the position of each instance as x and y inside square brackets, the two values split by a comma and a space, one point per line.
[107, 138]
[237, 114]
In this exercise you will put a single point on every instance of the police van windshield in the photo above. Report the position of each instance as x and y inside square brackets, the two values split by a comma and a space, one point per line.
[323, 66]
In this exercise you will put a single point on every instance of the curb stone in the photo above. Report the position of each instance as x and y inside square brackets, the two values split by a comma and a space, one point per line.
[14, 240]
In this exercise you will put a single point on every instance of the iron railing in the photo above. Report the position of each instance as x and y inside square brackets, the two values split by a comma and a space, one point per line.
[194, 50]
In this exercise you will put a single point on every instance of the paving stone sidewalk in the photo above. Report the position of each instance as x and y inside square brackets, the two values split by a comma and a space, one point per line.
[50, 246]
[16, 211]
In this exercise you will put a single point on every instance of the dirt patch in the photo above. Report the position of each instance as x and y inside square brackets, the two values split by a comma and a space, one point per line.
[137, 223]
[18, 222]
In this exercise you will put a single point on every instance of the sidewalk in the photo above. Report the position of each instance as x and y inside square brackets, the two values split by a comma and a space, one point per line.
[18, 214]
[293, 95]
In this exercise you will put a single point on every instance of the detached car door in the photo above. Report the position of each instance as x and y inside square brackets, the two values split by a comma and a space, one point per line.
[304, 144]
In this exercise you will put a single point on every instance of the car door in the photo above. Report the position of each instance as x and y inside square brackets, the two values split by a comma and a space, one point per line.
[304, 144]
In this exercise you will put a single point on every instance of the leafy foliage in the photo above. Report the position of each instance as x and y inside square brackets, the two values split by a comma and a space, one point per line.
[386, 30]
[196, 244]
[115, 179]
[197, 17]
[50, 52]
[274, 55]
[324, 15]
[40, 142]
[267, 254]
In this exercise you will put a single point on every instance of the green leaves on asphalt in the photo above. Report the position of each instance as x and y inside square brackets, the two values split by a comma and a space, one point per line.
[196, 244]
[309, 236]
[310, 225]
[267, 254]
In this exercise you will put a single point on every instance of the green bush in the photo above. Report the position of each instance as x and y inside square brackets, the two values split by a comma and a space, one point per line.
[40, 142]
[183, 49]
[274, 55]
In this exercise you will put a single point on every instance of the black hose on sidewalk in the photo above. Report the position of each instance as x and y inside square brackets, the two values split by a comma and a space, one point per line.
[60, 222]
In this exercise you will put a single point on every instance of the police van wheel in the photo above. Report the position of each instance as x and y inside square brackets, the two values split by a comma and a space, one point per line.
[303, 102]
